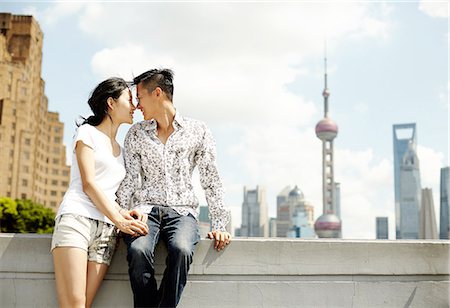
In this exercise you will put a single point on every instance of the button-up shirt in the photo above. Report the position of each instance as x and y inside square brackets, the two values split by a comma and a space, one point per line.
[161, 174]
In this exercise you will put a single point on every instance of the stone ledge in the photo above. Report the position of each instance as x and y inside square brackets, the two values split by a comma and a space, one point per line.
[256, 273]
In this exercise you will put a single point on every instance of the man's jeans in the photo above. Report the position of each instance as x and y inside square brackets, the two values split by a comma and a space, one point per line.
[180, 233]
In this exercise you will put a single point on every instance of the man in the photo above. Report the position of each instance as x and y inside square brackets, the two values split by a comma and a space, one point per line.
[160, 155]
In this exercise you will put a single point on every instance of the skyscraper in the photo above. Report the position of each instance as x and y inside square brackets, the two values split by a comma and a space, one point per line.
[337, 199]
[32, 157]
[255, 220]
[406, 181]
[329, 224]
[293, 211]
[382, 228]
[427, 219]
[445, 204]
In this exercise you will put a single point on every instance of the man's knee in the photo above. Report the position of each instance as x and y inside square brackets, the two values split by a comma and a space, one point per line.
[140, 251]
[182, 249]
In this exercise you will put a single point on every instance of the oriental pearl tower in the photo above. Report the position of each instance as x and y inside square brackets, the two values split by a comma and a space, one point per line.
[328, 225]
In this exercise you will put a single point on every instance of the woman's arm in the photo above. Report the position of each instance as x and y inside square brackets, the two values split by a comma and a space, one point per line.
[85, 159]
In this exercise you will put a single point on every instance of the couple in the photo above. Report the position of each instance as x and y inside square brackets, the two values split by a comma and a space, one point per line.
[144, 190]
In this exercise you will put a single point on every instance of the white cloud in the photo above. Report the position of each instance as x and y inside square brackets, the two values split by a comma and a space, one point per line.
[232, 65]
[434, 8]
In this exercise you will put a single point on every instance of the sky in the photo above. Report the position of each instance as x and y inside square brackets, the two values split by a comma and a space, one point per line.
[254, 72]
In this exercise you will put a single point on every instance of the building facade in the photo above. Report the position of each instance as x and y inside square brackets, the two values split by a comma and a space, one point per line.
[255, 220]
[382, 228]
[293, 211]
[32, 156]
[444, 232]
[427, 218]
[406, 181]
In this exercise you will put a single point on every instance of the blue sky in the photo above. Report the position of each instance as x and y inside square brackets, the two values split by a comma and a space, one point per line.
[254, 73]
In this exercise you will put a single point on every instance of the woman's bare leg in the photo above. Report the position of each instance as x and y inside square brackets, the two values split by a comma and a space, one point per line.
[95, 274]
[70, 274]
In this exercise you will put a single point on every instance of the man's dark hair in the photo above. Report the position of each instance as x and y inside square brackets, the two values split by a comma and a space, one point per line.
[154, 78]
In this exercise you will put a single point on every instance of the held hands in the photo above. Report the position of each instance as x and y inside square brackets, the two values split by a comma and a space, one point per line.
[133, 222]
[221, 239]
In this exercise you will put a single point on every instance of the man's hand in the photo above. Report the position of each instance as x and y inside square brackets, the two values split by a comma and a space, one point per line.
[221, 239]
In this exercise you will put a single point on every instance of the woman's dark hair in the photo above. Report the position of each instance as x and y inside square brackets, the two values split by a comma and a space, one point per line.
[111, 87]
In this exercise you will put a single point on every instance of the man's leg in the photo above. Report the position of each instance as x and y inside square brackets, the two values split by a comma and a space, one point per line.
[140, 256]
[181, 235]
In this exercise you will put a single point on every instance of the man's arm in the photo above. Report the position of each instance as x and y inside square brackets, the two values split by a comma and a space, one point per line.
[212, 185]
[132, 158]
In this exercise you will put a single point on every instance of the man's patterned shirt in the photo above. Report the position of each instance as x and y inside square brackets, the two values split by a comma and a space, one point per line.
[159, 174]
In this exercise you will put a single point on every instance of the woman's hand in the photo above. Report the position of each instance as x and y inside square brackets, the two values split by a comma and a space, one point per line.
[136, 214]
[128, 224]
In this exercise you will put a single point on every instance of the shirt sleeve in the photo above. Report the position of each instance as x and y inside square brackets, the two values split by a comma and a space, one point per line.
[131, 181]
[211, 182]
[84, 134]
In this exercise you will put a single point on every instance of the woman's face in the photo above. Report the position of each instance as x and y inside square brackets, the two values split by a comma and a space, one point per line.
[124, 108]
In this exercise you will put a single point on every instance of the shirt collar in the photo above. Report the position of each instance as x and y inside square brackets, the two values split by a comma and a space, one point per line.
[178, 122]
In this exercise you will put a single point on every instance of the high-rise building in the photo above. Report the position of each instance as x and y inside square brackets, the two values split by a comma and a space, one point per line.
[302, 227]
[382, 228]
[272, 227]
[32, 157]
[255, 220]
[410, 194]
[290, 203]
[337, 199]
[406, 181]
[444, 232]
[427, 219]
[328, 225]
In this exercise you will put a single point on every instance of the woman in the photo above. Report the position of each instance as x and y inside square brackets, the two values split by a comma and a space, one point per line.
[85, 237]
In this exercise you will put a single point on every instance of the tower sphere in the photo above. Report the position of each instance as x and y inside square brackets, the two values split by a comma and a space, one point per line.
[328, 226]
[326, 129]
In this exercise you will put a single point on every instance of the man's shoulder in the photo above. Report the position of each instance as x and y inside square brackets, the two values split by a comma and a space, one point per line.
[194, 123]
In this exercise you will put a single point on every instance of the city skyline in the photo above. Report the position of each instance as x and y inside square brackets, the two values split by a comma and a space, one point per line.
[255, 75]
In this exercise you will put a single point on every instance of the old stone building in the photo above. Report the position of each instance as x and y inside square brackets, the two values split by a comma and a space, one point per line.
[32, 154]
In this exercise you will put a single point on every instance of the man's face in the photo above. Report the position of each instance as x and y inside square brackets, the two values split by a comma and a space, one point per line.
[145, 101]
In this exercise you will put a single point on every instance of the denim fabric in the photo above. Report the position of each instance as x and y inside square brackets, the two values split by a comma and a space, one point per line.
[180, 234]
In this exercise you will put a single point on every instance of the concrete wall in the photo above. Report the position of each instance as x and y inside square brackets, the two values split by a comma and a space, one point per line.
[256, 273]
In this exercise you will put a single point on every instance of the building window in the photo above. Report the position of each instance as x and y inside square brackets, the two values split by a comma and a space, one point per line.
[53, 193]
[64, 183]
[1, 110]
[26, 155]
[65, 173]
[9, 181]
[27, 141]
[13, 139]
[54, 182]
[55, 171]
[26, 169]
[25, 183]
[8, 194]
[57, 139]
[56, 161]
[24, 196]
[53, 204]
